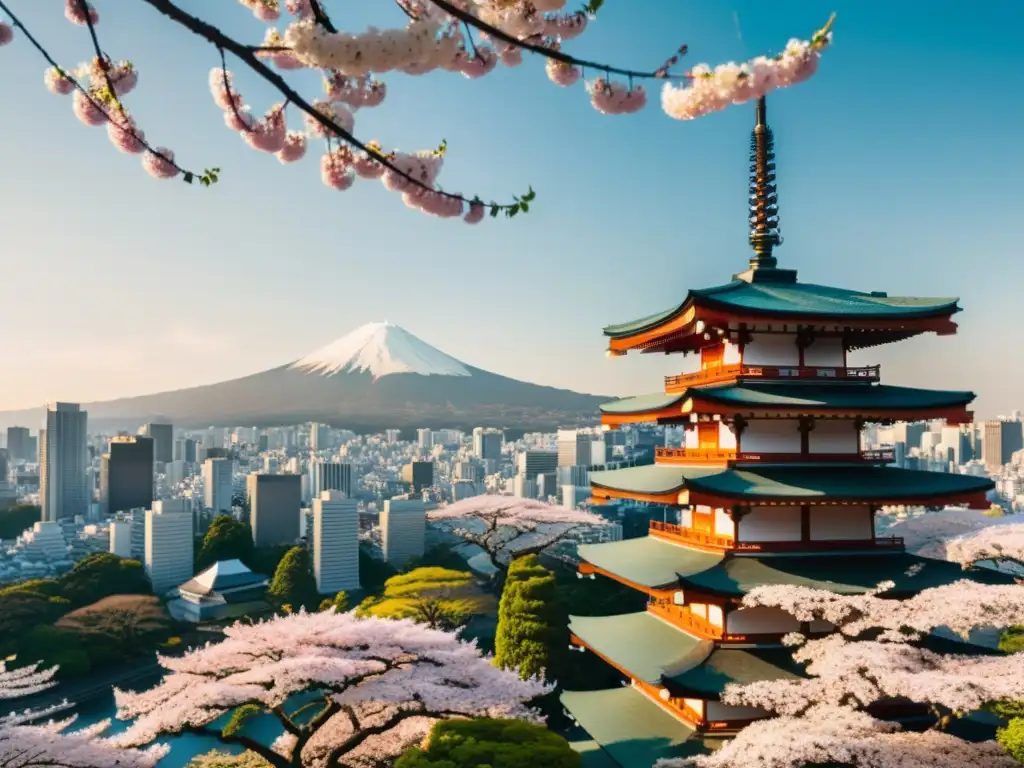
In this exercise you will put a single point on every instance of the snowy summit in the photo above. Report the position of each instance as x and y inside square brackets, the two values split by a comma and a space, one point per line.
[380, 349]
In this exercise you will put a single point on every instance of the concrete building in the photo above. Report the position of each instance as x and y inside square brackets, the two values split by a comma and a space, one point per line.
[335, 543]
[533, 463]
[169, 555]
[121, 538]
[64, 490]
[487, 443]
[275, 502]
[217, 484]
[419, 475]
[1001, 440]
[403, 526]
[19, 444]
[163, 441]
[330, 476]
[126, 475]
[224, 590]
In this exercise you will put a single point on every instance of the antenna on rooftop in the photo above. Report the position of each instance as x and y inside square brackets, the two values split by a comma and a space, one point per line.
[764, 202]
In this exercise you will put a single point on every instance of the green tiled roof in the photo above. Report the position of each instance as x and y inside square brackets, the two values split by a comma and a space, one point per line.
[635, 731]
[642, 403]
[641, 643]
[591, 754]
[734, 665]
[849, 574]
[648, 561]
[767, 483]
[796, 299]
[839, 396]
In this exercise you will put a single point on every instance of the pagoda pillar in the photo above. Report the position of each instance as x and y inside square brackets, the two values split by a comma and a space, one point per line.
[805, 523]
[804, 339]
[806, 424]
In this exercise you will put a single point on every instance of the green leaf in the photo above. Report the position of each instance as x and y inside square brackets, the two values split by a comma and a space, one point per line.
[187, 178]
[528, 197]
[524, 207]
[495, 210]
[243, 713]
[512, 210]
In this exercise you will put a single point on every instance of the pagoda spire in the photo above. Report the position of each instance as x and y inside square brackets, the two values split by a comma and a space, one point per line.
[764, 208]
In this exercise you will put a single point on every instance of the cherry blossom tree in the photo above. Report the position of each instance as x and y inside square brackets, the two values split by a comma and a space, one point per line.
[346, 691]
[506, 527]
[931, 533]
[879, 652]
[466, 37]
[26, 741]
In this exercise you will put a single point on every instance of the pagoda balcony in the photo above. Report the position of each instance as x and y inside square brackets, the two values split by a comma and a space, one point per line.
[678, 534]
[721, 373]
[724, 456]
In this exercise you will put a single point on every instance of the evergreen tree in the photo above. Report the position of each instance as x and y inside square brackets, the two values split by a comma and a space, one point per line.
[294, 584]
[438, 597]
[487, 743]
[226, 539]
[101, 575]
[532, 632]
[339, 602]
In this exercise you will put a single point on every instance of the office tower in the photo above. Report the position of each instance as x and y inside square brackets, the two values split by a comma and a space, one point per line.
[908, 433]
[18, 444]
[573, 448]
[419, 475]
[335, 543]
[468, 470]
[176, 472]
[214, 453]
[533, 463]
[217, 484]
[126, 475]
[274, 505]
[424, 438]
[121, 538]
[487, 443]
[64, 491]
[547, 485]
[330, 476]
[392, 435]
[264, 443]
[269, 465]
[403, 526]
[185, 450]
[4, 466]
[163, 441]
[524, 487]
[1001, 440]
[169, 556]
[319, 437]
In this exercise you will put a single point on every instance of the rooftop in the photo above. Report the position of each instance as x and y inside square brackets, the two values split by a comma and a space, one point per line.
[222, 576]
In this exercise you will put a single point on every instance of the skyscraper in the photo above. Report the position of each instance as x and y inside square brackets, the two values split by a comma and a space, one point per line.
[169, 556]
[319, 437]
[163, 441]
[330, 476]
[1002, 439]
[126, 475]
[274, 505]
[63, 483]
[487, 443]
[185, 450]
[419, 475]
[533, 463]
[575, 448]
[18, 444]
[217, 484]
[335, 543]
[424, 438]
[403, 526]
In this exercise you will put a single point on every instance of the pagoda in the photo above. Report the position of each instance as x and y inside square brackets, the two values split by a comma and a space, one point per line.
[771, 486]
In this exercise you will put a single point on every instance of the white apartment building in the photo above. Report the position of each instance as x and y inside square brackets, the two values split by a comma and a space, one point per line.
[335, 543]
[403, 526]
[121, 538]
[169, 556]
[217, 484]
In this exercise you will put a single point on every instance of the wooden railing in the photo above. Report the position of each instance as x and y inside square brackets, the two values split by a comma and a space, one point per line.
[726, 456]
[685, 535]
[685, 619]
[717, 373]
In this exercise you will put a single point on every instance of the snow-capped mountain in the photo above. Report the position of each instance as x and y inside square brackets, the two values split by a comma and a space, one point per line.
[376, 377]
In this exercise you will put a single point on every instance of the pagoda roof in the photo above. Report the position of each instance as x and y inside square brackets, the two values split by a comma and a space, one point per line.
[794, 299]
[632, 728]
[807, 483]
[648, 561]
[796, 395]
[222, 576]
[652, 563]
[668, 656]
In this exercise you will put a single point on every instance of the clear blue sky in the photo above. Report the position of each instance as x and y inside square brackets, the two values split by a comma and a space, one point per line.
[896, 165]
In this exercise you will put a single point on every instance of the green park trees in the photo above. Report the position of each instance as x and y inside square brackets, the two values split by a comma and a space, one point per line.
[226, 539]
[293, 584]
[531, 624]
[490, 743]
[441, 598]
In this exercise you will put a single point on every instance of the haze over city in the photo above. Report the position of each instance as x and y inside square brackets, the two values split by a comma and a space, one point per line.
[897, 173]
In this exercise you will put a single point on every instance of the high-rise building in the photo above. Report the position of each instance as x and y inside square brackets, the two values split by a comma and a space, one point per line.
[487, 443]
[330, 476]
[217, 484]
[18, 444]
[403, 526]
[64, 490]
[121, 538]
[185, 450]
[533, 463]
[126, 475]
[424, 438]
[574, 448]
[275, 502]
[335, 543]
[169, 556]
[205, 454]
[419, 475]
[4, 466]
[1001, 439]
[319, 437]
[163, 441]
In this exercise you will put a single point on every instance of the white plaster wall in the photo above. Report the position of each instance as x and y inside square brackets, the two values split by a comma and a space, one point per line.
[686, 517]
[771, 436]
[771, 524]
[697, 705]
[824, 352]
[840, 523]
[718, 711]
[761, 620]
[716, 616]
[840, 436]
[691, 439]
[771, 349]
[724, 526]
[732, 354]
[726, 437]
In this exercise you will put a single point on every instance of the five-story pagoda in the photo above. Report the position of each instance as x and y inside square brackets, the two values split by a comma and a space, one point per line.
[772, 487]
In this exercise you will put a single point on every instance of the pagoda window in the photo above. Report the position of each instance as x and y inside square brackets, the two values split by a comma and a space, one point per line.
[718, 355]
[841, 523]
[824, 352]
[720, 713]
[699, 609]
[771, 524]
[686, 517]
[771, 349]
[707, 435]
[760, 620]
[724, 525]
[695, 707]
[771, 436]
[839, 436]
[703, 520]
[716, 617]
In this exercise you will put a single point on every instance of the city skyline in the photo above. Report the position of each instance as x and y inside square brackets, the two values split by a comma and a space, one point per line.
[880, 165]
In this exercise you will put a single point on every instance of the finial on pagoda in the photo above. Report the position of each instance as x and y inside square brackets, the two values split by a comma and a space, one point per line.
[764, 208]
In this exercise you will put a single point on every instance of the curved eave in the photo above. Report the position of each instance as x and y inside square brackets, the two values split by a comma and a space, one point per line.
[642, 405]
[700, 404]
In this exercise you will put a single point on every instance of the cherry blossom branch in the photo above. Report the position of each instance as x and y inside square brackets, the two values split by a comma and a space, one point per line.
[272, 757]
[246, 55]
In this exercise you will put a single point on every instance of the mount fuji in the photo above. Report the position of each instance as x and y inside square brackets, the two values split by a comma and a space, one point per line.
[378, 376]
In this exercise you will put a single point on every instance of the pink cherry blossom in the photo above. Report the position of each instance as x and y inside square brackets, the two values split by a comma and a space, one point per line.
[1001, 544]
[57, 82]
[613, 98]
[475, 214]
[293, 149]
[264, 10]
[88, 110]
[299, 8]
[125, 135]
[6, 33]
[73, 11]
[336, 168]
[338, 113]
[160, 164]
